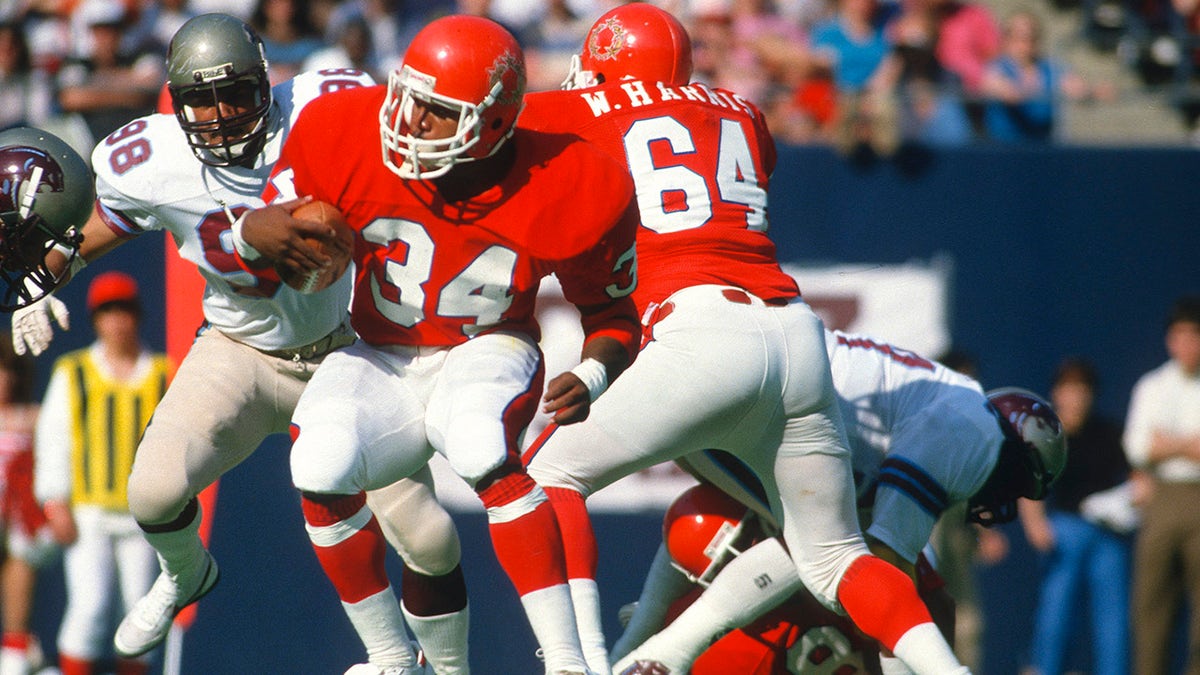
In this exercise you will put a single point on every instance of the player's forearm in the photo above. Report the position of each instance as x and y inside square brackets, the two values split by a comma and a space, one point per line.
[1164, 446]
[610, 352]
[611, 335]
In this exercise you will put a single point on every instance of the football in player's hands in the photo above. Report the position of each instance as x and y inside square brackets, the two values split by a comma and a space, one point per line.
[340, 248]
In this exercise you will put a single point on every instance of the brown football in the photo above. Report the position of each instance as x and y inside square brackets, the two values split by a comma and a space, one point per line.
[317, 280]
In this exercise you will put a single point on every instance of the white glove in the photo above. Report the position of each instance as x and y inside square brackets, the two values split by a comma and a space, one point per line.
[31, 329]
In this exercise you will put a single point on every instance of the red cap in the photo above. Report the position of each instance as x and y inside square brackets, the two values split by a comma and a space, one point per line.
[111, 287]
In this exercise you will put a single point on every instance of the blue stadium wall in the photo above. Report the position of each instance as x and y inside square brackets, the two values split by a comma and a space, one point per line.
[1062, 251]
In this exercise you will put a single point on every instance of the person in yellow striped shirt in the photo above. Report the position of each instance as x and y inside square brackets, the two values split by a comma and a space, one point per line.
[97, 404]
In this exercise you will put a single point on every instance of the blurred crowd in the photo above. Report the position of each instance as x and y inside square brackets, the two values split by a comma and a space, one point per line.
[864, 75]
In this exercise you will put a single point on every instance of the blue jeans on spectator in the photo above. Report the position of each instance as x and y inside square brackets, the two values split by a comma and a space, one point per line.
[1089, 562]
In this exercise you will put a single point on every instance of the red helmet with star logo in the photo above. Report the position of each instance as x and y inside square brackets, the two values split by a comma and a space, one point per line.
[635, 41]
[467, 65]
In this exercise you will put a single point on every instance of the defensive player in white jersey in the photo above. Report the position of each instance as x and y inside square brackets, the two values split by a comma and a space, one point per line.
[735, 358]
[191, 174]
[923, 438]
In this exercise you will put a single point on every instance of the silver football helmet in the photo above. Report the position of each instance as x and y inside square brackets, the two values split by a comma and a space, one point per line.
[46, 195]
[1032, 456]
[220, 90]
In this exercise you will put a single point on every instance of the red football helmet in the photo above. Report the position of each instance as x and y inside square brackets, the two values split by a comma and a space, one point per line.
[635, 41]
[704, 528]
[467, 64]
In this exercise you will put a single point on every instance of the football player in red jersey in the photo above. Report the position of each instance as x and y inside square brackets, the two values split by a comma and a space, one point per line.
[455, 228]
[733, 359]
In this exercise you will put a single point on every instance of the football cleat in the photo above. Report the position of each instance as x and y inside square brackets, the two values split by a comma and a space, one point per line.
[149, 622]
[646, 667]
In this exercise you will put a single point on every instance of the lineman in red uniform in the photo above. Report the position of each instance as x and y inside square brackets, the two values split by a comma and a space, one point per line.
[455, 228]
[735, 360]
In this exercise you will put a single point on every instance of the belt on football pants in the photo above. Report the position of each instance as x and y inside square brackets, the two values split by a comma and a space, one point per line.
[340, 337]
[737, 296]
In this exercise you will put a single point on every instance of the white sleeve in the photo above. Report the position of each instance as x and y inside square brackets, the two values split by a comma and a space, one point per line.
[939, 457]
[1139, 422]
[52, 442]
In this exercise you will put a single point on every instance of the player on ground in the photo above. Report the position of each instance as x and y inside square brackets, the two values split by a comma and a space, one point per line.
[455, 229]
[923, 438]
[192, 174]
[735, 359]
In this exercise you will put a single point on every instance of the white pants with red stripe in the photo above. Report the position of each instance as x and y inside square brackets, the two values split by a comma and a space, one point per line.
[373, 415]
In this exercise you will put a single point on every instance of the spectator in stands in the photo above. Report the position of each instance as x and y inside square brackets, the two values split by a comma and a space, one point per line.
[929, 97]
[1083, 530]
[156, 22]
[551, 42]
[1023, 86]
[108, 88]
[392, 22]
[853, 46]
[95, 409]
[1162, 438]
[968, 39]
[352, 49]
[750, 47]
[26, 94]
[766, 51]
[288, 36]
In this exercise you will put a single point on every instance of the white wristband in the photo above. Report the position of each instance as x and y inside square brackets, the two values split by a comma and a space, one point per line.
[77, 262]
[248, 252]
[594, 376]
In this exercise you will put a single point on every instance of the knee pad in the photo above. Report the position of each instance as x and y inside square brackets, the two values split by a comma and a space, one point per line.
[324, 460]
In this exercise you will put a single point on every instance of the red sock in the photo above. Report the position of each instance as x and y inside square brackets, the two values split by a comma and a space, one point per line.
[579, 541]
[530, 546]
[15, 640]
[354, 564]
[881, 600]
[69, 665]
